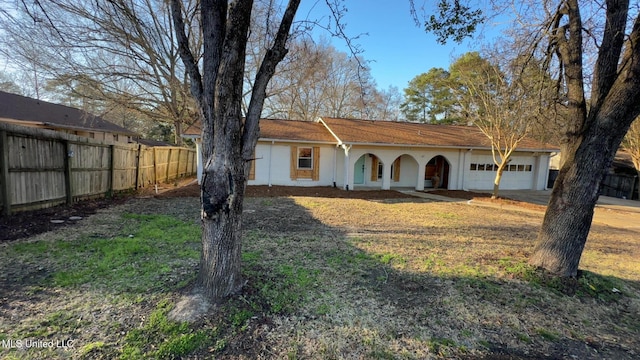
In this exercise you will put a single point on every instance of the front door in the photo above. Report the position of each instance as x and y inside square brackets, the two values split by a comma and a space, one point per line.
[358, 171]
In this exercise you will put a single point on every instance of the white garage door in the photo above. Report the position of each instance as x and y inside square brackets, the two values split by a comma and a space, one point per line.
[481, 173]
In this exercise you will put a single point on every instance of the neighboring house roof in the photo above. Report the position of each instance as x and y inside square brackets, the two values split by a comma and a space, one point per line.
[20, 109]
[352, 131]
[369, 132]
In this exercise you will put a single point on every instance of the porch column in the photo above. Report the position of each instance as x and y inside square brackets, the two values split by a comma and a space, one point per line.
[465, 168]
[386, 175]
[421, 171]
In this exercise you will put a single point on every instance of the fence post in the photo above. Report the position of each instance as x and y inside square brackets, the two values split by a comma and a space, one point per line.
[179, 169]
[68, 187]
[4, 174]
[138, 167]
[112, 167]
[168, 165]
[155, 166]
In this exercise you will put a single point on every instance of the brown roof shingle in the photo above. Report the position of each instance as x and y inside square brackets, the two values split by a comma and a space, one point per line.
[287, 130]
[416, 134]
[378, 132]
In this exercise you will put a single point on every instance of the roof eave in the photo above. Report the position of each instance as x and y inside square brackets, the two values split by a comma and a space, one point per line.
[298, 141]
[467, 147]
[20, 121]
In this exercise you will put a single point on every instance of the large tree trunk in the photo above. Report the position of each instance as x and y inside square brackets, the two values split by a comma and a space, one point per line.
[567, 220]
[222, 198]
[593, 135]
[228, 140]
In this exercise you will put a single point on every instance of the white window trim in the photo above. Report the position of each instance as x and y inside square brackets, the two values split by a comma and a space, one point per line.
[310, 158]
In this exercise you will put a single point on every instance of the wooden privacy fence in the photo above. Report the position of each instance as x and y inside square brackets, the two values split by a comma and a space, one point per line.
[615, 185]
[41, 168]
[620, 185]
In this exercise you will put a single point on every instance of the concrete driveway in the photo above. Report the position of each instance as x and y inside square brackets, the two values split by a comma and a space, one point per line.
[542, 198]
[620, 213]
[609, 211]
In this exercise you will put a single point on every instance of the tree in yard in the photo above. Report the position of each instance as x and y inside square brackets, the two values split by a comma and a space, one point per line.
[503, 104]
[595, 128]
[228, 140]
[468, 69]
[428, 99]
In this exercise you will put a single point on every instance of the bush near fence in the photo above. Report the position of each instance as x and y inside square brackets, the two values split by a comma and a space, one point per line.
[42, 168]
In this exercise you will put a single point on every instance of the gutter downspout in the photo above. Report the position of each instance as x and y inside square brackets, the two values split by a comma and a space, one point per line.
[346, 165]
[335, 165]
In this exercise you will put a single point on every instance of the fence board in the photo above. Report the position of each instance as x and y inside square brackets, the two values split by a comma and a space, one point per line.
[618, 185]
[90, 170]
[147, 169]
[124, 167]
[41, 168]
[4, 174]
[28, 184]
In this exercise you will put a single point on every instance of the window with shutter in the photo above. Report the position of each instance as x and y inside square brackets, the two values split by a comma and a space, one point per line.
[305, 163]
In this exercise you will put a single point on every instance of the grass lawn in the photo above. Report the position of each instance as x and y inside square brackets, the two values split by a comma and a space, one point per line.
[326, 279]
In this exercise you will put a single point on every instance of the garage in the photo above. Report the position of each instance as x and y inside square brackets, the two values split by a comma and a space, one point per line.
[518, 175]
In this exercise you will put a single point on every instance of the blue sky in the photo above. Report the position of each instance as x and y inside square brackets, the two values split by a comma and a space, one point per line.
[397, 49]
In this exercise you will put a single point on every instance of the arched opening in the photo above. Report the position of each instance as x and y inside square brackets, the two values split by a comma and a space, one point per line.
[404, 171]
[436, 174]
[367, 171]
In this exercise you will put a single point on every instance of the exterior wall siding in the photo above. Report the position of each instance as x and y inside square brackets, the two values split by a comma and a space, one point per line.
[273, 165]
[337, 167]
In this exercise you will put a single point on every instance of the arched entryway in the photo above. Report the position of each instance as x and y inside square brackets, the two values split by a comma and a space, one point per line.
[367, 171]
[404, 171]
[436, 174]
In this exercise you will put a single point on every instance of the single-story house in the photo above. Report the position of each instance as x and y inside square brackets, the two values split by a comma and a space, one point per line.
[354, 154]
[25, 111]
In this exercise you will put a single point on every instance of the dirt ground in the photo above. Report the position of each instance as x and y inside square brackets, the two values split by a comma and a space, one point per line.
[26, 224]
[29, 223]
